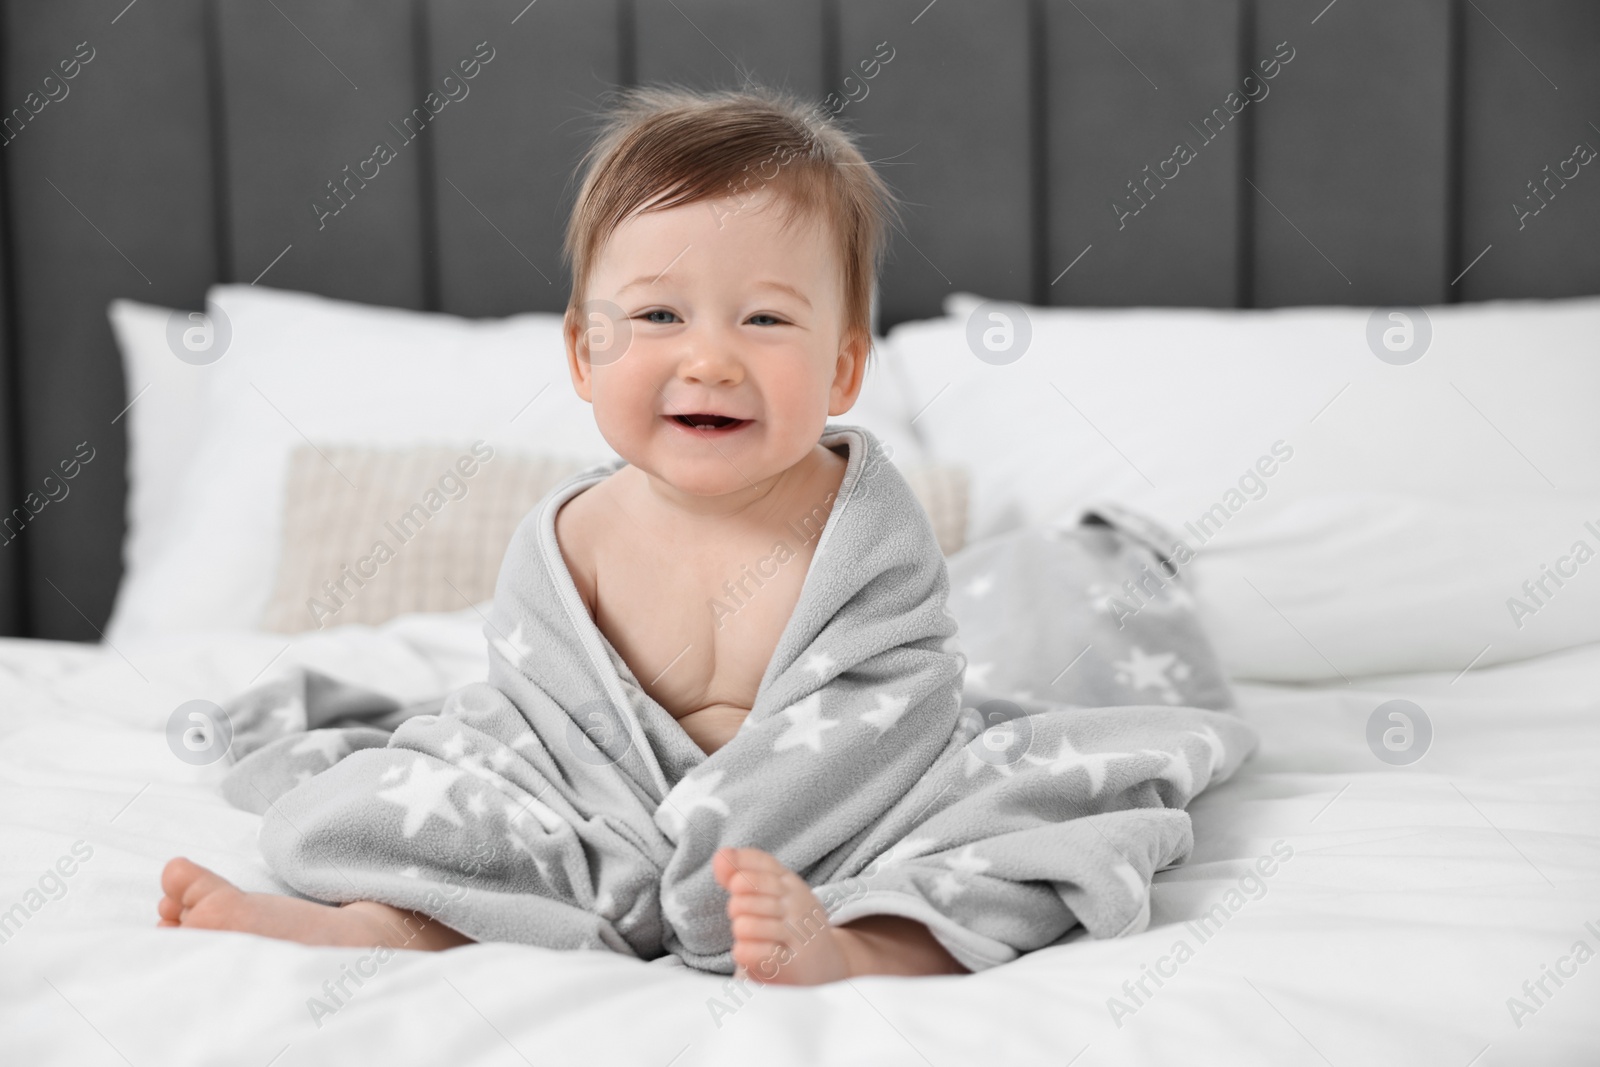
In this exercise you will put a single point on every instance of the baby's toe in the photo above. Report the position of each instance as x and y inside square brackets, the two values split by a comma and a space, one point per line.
[753, 859]
[760, 929]
[178, 875]
[187, 885]
[767, 905]
[746, 869]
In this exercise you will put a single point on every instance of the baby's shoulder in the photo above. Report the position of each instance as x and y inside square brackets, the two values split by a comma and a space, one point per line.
[578, 531]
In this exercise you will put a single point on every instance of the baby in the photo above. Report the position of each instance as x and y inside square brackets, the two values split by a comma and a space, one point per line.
[724, 250]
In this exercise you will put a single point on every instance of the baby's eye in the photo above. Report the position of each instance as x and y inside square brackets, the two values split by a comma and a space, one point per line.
[764, 315]
[659, 311]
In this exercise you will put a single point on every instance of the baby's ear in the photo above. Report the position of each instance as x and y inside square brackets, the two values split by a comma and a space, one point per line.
[578, 365]
[849, 372]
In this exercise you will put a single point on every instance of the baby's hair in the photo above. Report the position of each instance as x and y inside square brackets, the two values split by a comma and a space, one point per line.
[664, 146]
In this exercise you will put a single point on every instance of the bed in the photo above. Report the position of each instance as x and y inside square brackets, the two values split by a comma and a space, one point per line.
[1414, 905]
[1383, 882]
[1347, 900]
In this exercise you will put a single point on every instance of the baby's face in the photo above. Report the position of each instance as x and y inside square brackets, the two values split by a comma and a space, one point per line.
[737, 354]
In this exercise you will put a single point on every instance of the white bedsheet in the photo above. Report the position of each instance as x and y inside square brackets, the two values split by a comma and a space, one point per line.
[1416, 902]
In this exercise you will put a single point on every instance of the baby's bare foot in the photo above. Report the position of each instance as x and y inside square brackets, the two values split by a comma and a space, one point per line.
[781, 934]
[201, 899]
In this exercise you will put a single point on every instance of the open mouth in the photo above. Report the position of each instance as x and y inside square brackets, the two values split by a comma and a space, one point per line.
[707, 423]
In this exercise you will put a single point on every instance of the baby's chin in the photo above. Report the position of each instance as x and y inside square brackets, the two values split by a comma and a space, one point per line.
[712, 465]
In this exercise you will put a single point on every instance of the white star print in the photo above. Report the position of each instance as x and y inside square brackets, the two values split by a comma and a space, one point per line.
[1177, 771]
[477, 805]
[473, 765]
[426, 792]
[454, 748]
[501, 758]
[1101, 597]
[527, 740]
[302, 777]
[887, 713]
[411, 872]
[947, 887]
[980, 586]
[515, 647]
[967, 862]
[806, 725]
[1068, 757]
[673, 909]
[392, 774]
[899, 852]
[289, 717]
[520, 642]
[1170, 601]
[604, 904]
[820, 663]
[976, 763]
[691, 793]
[330, 743]
[547, 816]
[1144, 671]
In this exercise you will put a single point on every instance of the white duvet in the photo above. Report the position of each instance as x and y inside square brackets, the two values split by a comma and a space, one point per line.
[1359, 913]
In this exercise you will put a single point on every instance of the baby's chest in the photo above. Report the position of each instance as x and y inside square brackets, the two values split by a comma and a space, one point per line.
[700, 631]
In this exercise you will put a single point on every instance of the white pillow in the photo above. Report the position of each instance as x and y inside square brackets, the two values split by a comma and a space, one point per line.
[208, 453]
[162, 423]
[1339, 586]
[1166, 409]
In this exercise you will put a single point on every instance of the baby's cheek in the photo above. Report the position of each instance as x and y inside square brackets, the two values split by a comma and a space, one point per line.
[799, 384]
[619, 396]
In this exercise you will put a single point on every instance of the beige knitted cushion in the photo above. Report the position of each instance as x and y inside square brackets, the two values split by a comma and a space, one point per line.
[370, 533]
[942, 489]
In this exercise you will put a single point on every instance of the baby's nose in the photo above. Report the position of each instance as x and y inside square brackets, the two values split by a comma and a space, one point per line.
[711, 365]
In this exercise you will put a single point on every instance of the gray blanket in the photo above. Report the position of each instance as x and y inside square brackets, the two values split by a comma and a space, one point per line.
[556, 804]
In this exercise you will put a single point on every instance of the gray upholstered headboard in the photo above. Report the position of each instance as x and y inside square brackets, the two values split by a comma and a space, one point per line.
[1380, 163]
